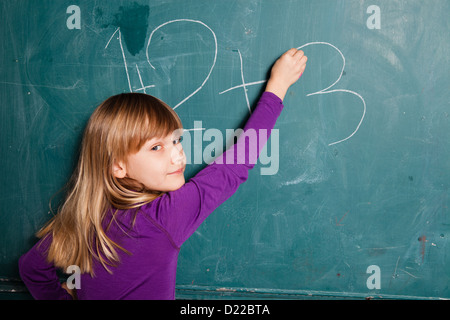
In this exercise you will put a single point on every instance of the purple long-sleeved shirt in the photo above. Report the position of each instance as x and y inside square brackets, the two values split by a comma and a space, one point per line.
[160, 228]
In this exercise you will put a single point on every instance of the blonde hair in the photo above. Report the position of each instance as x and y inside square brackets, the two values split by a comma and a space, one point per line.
[118, 127]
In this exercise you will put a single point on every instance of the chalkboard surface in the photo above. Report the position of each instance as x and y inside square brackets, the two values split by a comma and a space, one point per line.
[351, 198]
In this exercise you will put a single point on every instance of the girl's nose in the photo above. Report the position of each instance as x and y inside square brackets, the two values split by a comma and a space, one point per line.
[177, 154]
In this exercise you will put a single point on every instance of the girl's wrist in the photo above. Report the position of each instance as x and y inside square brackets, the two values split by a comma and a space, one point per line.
[276, 88]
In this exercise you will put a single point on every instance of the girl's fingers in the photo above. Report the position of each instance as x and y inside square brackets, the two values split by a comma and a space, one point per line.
[299, 54]
[291, 52]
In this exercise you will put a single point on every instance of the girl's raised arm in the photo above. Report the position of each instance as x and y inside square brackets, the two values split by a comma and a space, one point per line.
[182, 211]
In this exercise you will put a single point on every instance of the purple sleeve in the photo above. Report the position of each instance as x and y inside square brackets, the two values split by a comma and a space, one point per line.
[182, 211]
[40, 276]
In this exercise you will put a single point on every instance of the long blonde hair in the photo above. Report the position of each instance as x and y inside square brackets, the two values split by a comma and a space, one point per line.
[118, 127]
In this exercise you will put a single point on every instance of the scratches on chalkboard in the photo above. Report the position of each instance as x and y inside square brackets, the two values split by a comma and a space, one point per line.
[423, 240]
[338, 223]
[76, 85]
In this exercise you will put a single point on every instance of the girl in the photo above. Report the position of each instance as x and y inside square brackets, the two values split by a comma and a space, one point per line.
[128, 209]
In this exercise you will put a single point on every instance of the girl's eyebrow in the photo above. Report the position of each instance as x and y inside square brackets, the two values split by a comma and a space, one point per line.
[151, 142]
[156, 140]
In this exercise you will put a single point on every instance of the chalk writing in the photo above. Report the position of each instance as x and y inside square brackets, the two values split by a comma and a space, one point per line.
[142, 83]
[144, 87]
[243, 81]
[326, 90]
[323, 91]
[123, 54]
[212, 66]
[244, 85]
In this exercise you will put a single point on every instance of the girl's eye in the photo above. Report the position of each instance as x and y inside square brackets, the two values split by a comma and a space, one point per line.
[179, 140]
[156, 148]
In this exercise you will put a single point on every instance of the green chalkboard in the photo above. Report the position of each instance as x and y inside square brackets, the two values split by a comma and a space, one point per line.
[352, 196]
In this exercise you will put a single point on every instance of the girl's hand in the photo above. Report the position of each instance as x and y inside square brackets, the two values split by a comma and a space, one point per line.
[286, 71]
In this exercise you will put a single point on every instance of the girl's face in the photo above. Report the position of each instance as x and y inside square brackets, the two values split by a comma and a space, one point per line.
[159, 164]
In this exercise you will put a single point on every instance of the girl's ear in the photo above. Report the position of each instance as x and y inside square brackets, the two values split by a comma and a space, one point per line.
[119, 170]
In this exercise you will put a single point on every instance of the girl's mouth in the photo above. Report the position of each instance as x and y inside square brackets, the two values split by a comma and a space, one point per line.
[179, 171]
